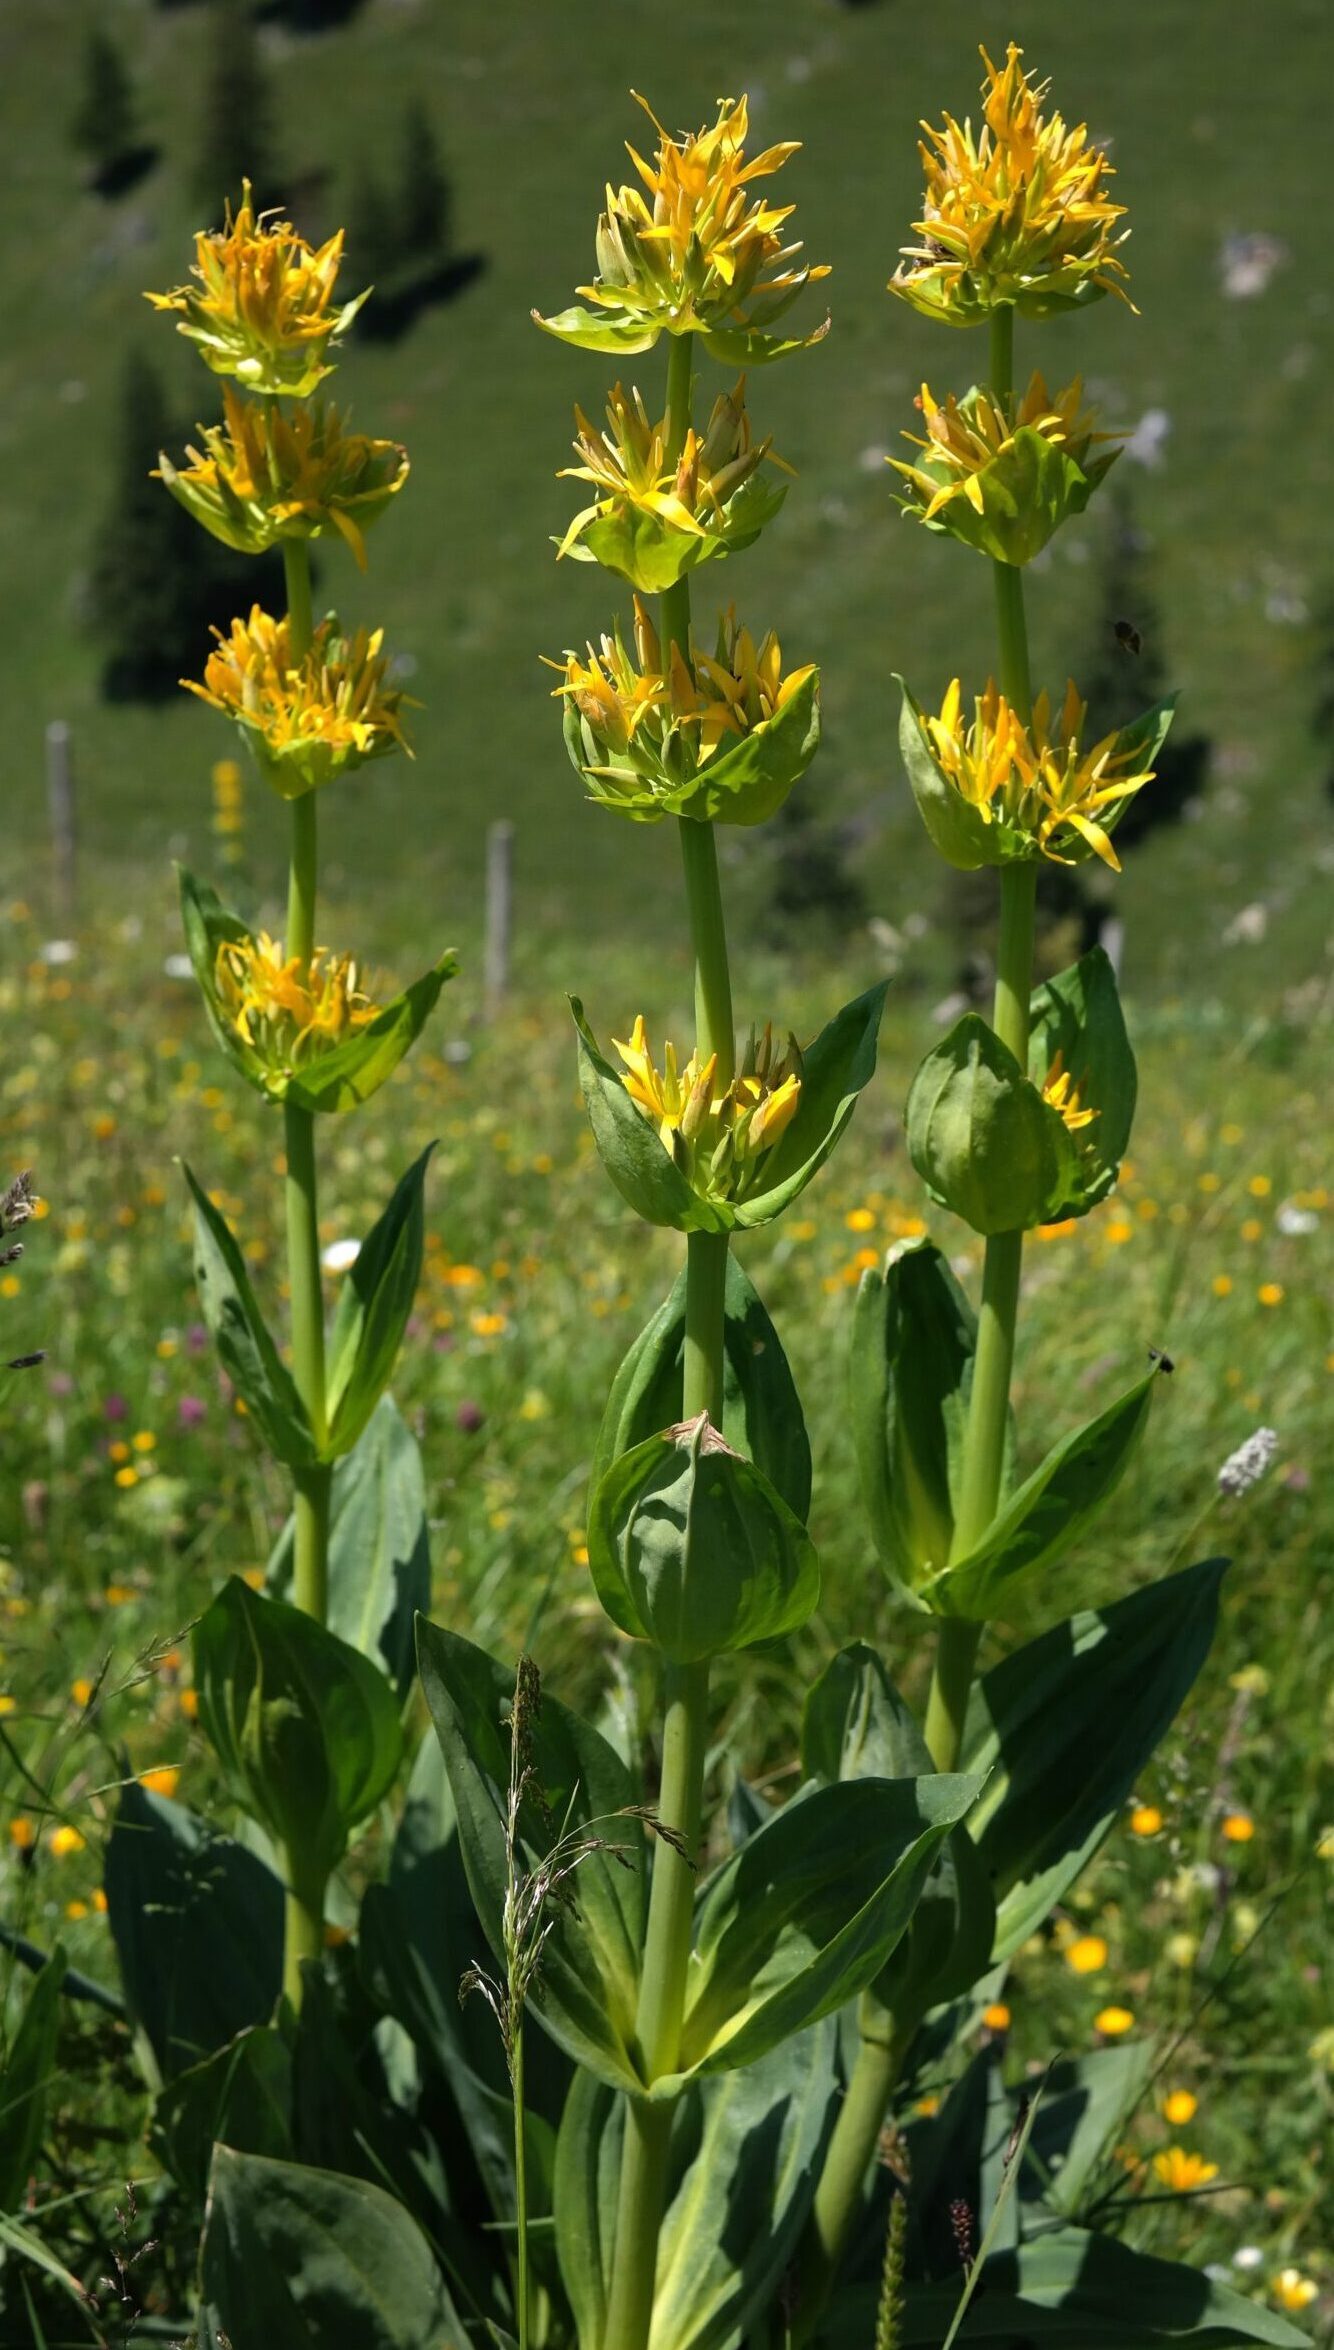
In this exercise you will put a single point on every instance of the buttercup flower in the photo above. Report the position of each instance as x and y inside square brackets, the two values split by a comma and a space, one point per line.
[992, 789]
[694, 251]
[263, 309]
[1182, 2172]
[309, 721]
[263, 475]
[718, 1136]
[653, 521]
[1002, 476]
[1018, 214]
[725, 737]
[287, 1012]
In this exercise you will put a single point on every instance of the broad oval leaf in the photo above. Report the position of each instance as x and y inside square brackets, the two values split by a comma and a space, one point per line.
[1077, 1019]
[373, 1309]
[762, 1415]
[806, 1913]
[379, 1546]
[26, 2076]
[587, 1989]
[985, 1143]
[245, 1349]
[835, 1069]
[241, 2095]
[1052, 1790]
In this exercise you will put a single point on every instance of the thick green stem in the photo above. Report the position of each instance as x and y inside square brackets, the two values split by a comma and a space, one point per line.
[303, 1930]
[296, 578]
[714, 1026]
[838, 2198]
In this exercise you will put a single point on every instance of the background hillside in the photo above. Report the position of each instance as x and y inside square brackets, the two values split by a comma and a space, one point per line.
[1216, 118]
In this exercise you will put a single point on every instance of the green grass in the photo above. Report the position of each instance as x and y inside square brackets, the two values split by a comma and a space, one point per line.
[1214, 133]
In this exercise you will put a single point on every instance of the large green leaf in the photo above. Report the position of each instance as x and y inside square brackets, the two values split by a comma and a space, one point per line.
[25, 2079]
[742, 2168]
[599, 329]
[373, 1309]
[807, 1911]
[198, 1926]
[241, 2095]
[1062, 1728]
[379, 1546]
[293, 2256]
[1073, 2291]
[1087, 2102]
[208, 925]
[1045, 1516]
[914, 1335]
[245, 1349]
[692, 1549]
[747, 781]
[587, 1989]
[305, 1727]
[762, 1415]
[855, 1725]
[357, 1068]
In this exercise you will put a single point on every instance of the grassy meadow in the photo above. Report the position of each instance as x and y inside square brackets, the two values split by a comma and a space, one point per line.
[132, 1485]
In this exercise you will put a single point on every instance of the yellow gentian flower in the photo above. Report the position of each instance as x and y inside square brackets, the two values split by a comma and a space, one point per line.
[1003, 475]
[1041, 791]
[263, 476]
[305, 721]
[694, 250]
[1017, 214]
[717, 1135]
[263, 309]
[285, 1011]
[652, 520]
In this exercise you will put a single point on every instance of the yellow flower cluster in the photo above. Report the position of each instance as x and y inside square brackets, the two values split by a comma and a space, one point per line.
[628, 466]
[263, 307]
[1017, 214]
[1036, 780]
[697, 246]
[307, 720]
[287, 1011]
[717, 1134]
[263, 476]
[965, 438]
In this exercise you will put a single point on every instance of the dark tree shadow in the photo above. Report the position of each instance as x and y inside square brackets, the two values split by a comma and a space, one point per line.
[398, 303]
[309, 16]
[124, 171]
[221, 585]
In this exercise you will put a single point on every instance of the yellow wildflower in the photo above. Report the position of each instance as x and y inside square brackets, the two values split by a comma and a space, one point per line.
[1293, 2291]
[1113, 2021]
[718, 1136]
[1003, 474]
[161, 1781]
[307, 720]
[263, 475]
[654, 517]
[1045, 794]
[694, 250]
[654, 738]
[1017, 214]
[263, 309]
[1182, 2172]
[1087, 1954]
[996, 2018]
[1146, 1820]
[1238, 1827]
[1180, 2107]
[65, 1840]
[287, 1011]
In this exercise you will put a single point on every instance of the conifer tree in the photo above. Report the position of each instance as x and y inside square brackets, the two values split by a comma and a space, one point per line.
[425, 200]
[103, 125]
[236, 137]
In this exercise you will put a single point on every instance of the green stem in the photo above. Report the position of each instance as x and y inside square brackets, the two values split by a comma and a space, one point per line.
[838, 2198]
[714, 1026]
[520, 2181]
[296, 578]
[303, 1927]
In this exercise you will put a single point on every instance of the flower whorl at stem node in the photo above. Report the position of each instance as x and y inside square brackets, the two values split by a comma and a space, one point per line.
[718, 1135]
[286, 1012]
[654, 519]
[1002, 475]
[309, 720]
[263, 309]
[263, 476]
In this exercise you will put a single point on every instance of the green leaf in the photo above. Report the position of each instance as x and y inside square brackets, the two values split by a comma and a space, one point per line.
[749, 346]
[914, 1335]
[742, 2167]
[208, 925]
[1077, 1016]
[653, 553]
[762, 1415]
[1063, 1727]
[642, 1170]
[691, 1548]
[357, 1068]
[1138, 746]
[1028, 490]
[834, 1070]
[240, 2096]
[982, 1138]
[747, 781]
[197, 1921]
[373, 1309]
[1070, 2290]
[600, 330]
[299, 2257]
[304, 1726]
[245, 1349]
[25, 2078]
[379, 1546]
[806, 1913]
[855, 1725]
[587, 1989]
[1046, 1515]
[1087, 2102]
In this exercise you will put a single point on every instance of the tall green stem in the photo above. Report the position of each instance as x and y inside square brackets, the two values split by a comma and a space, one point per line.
[667, 1939]
[990, 1403]
[304, 1934]
[838, 2198]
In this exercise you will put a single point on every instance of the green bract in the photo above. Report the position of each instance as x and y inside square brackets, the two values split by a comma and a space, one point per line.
[658, 771]
[653, 552]
[1078, 1027]
[692, 1549]
[625, 332]
[1026, 491]
[982, 1138]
